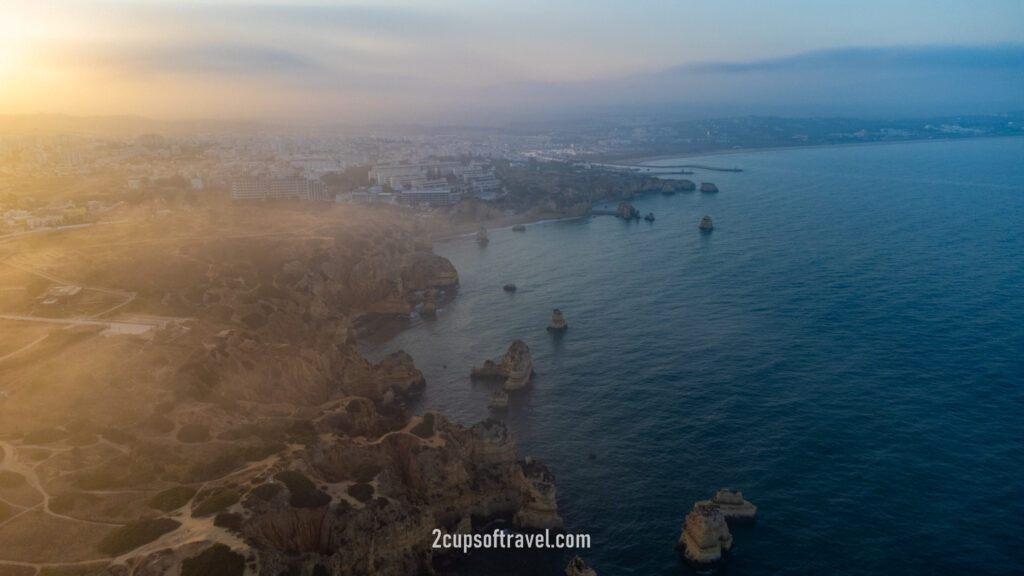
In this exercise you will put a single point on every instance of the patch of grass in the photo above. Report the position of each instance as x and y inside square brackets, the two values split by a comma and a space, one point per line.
[131, 536]
[117, 436]
[217, 560]
[66, 503]
[160, 424]
[260, 451]
[265, 492]
[362, 492]
[304, 494]
[217, 501]
[45, 436]
[172, 498]
[424, 429]
[193, 434]
[10, 479]
[232, 522]
[365, 472]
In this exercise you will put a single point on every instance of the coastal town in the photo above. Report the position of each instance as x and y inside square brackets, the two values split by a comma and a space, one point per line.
[79, 174]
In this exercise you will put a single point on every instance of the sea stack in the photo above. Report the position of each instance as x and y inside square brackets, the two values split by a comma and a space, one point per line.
[481, 236]
[557, 322]
[686, 185]
[649, 217]
[626, 211]
[510, 287]
[734, 508]
[708, 187]
[516, 367]
[705, 224]
[499, 400]
[706, 540]
[577, 567]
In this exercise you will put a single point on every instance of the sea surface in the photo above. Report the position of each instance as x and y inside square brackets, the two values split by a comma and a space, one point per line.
[846, 347]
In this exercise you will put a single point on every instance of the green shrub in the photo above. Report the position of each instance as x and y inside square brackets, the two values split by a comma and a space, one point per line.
[304, 494]
[365, 472]
[229, 521]
[65, 503]
[193, 433]
[10, 479]
[137, 534]
[217, 501]
[424, 429]
[172, 498]
[265, 492]
[45, 436]
[117, 436]
[217, 560]
[362, 492]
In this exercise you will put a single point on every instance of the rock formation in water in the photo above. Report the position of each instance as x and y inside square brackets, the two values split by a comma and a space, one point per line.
[705, 224]
[626, 211]
[705, 540]
[519, 228]
[733, 506]
[708, 187]
[577, 567]
[516, 367]
[511, 287]
[649, 217]
[686, 185]
[481, 236]
[499, 400]
[557, 322]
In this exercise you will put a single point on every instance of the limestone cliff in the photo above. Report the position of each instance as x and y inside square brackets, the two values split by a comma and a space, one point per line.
[705, 540]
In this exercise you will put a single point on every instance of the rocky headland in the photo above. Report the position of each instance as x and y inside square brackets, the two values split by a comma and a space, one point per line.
[515, 369]
[245, 432]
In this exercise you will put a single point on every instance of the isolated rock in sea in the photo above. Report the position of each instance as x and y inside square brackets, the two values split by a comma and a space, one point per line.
[626, 211]
[519, 228]
[518, 364]
[686, 185]
[708, 187]
[481, 236]
[499, 400]
[516, 367]
[577, 567]
[705, 540]
[557, 322]
[733, 506]
[540, 510]
[705, 224]
[649, 217]
[511, 287]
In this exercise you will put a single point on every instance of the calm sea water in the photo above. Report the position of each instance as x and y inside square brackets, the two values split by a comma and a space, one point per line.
[847, 348]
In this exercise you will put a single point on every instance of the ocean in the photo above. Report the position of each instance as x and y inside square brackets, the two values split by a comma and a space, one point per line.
[846, 347]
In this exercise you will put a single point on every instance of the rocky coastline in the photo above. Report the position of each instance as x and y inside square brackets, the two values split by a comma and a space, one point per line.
[258, 436]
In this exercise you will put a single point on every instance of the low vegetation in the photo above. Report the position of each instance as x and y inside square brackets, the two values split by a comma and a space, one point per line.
[304, 494]
[172, 498]
[131, 536]
[217, 560]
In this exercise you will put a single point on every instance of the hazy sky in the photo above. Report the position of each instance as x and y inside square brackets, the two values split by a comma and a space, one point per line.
[353, 60]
